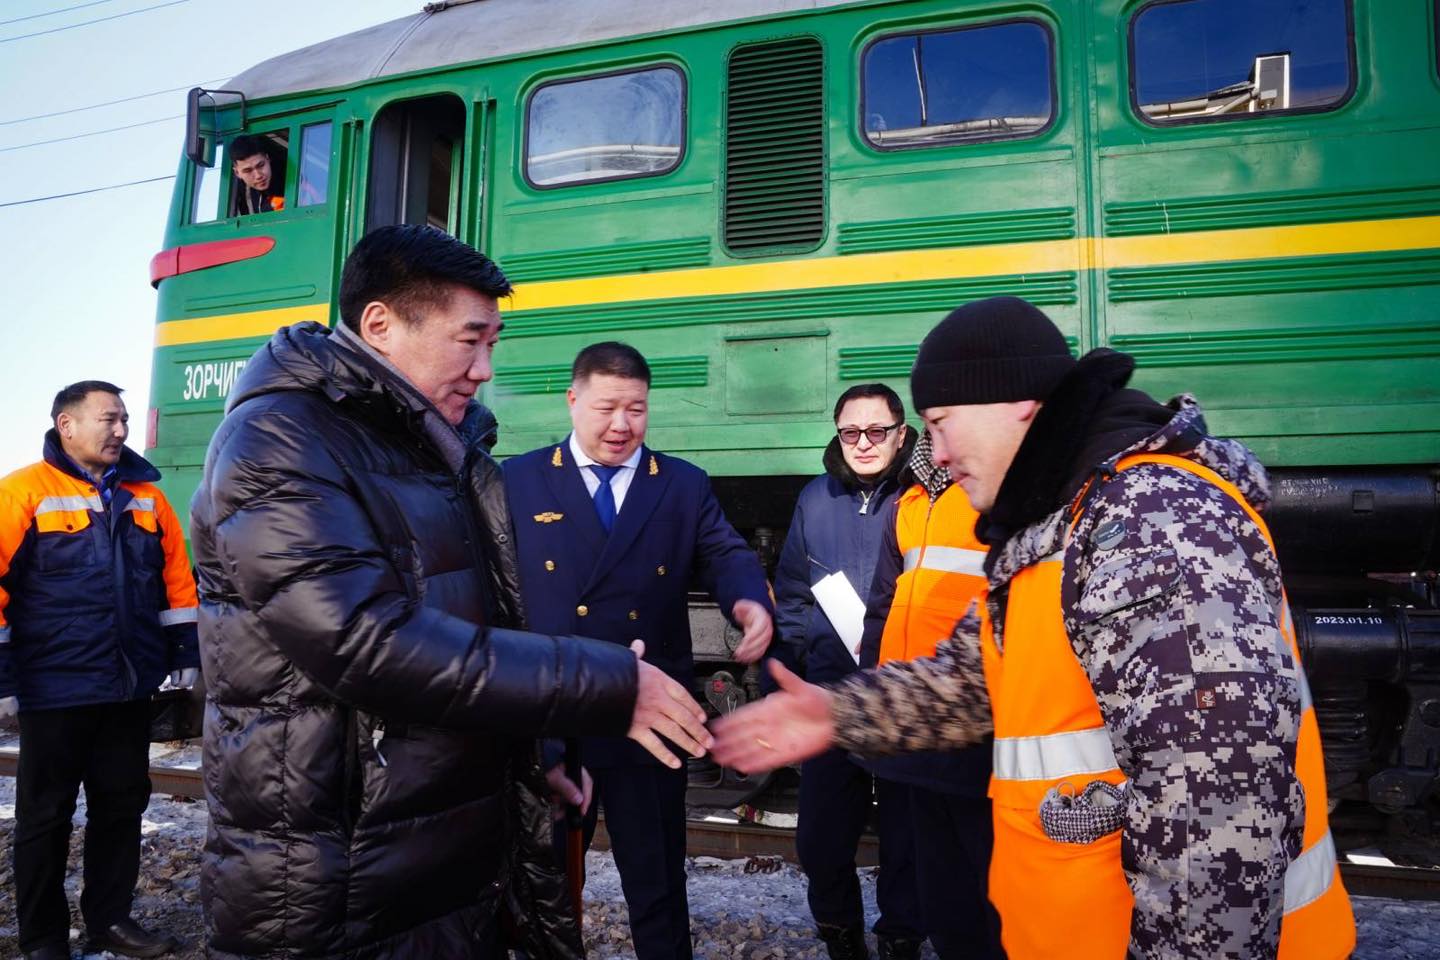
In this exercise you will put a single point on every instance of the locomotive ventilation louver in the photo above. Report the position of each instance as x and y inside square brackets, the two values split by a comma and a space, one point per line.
[775, 146]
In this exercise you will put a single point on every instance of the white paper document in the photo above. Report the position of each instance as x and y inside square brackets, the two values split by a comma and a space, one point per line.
[844, 608]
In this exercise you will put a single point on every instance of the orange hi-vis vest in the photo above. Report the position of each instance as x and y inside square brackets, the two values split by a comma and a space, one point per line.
[1072, 900]
[943, 571]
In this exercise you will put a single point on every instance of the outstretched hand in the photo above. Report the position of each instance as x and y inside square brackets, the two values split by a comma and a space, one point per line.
[755, 621]
[794, 723]
[665, 708]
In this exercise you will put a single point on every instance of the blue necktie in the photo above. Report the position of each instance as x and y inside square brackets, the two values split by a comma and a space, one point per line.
[604, 496]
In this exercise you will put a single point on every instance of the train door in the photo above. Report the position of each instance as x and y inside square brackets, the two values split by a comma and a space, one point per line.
[1245, 191]
[416, 155]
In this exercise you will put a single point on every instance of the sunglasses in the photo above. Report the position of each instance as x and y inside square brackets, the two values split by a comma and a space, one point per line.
[876, 435]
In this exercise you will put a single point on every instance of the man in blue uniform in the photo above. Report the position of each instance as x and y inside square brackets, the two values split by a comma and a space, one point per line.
[611, 536]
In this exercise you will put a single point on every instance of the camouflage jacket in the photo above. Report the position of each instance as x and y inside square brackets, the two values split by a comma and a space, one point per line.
[1180, 594]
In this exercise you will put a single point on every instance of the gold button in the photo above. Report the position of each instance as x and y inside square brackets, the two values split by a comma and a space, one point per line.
[583, 610]
[660, 569]
[549, 564]
[634, 615]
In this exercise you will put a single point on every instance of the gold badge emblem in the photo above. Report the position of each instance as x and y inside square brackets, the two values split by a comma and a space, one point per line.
[549, 516]
[555, 461]
[654, 467]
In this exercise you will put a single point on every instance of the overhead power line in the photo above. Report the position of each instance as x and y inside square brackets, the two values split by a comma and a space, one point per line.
[86, 23]
[107, 103]
[92, 133]
[51, 13]
[77, 193]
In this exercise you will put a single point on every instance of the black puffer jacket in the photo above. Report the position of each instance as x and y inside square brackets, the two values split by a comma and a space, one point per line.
[362, 721]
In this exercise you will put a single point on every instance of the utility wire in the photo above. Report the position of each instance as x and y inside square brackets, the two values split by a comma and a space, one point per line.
[86, 23]
[107, 103]
[92, 133]
[76, 193]
[51, 13]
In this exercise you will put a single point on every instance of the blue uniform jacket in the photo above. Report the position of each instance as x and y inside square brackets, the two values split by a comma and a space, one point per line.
[669, 536]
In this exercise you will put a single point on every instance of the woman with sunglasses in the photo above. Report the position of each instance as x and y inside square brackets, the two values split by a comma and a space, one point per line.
[833, 540]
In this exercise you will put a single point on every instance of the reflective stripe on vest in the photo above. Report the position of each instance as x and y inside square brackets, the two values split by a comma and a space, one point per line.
[4, 636]
[946, 560]
[1310, 875]
[141, 503]
[176, 615]
[64, 504]
[1054, 756]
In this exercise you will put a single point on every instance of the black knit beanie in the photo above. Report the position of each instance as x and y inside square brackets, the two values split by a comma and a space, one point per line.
[989, 351]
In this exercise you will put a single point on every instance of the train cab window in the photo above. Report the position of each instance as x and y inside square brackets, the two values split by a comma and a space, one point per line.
[257, 172]
[415, 163]
[945, 87]
[1194, 60]
[205, 195]
[605, 128]
[314, 164]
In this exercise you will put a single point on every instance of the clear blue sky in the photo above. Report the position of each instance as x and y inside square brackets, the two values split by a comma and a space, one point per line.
[77, 300]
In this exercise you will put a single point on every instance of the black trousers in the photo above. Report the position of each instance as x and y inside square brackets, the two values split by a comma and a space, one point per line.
[645, 817]
[835, 797]
[953, 838]
[107, 748]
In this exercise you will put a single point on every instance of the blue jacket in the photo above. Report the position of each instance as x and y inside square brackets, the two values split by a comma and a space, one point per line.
[97, 601]
[670, 536]
[837, 527]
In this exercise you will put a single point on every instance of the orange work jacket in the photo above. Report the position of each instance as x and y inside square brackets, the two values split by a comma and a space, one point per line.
[943, 571]
[1072, 900]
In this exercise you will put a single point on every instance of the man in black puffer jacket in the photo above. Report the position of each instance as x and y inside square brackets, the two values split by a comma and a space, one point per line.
[371, 708]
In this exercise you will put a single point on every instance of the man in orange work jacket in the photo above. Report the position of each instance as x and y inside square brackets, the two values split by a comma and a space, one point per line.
[1159, 789]
[929, 571]
[97, 606]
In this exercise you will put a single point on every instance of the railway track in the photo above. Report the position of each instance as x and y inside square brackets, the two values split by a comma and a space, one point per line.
[769, 847]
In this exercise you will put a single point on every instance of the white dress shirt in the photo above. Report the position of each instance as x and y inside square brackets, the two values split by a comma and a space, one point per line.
[619, 484]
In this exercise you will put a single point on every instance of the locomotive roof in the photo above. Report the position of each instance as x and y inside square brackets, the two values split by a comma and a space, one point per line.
[445, 34]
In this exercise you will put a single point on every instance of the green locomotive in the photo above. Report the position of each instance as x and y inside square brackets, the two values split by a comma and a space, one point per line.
[773, 199]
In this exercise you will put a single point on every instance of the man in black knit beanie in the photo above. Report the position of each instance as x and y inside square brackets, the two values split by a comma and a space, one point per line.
[1133, 657]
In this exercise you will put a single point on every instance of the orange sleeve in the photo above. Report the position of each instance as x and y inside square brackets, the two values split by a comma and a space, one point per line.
[16, 515]
[179, 582]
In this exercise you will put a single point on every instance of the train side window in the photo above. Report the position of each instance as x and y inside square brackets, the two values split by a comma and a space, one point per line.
[205, 195]
[314, 164]
[415, 162]
[1196, 60]
[609, 127]
[257, 172]
[989, 82]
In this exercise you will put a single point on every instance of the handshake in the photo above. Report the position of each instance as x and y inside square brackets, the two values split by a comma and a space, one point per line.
[665, 708]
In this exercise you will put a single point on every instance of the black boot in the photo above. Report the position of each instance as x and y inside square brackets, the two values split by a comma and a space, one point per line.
[844, 943]
[899, 948]
[129, 939]
[57, 950]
